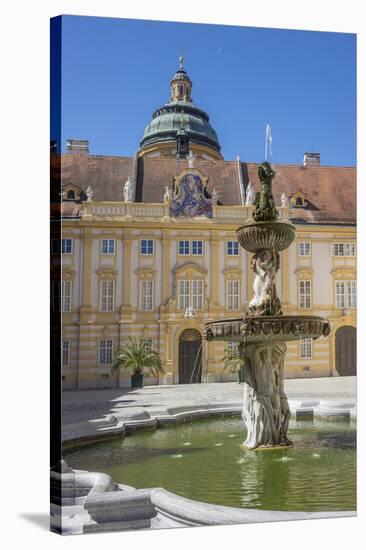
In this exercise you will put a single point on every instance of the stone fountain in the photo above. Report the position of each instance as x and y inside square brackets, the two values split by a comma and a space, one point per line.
[263, 331]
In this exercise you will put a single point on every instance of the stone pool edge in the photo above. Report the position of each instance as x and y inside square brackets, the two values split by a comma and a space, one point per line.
[121, 424]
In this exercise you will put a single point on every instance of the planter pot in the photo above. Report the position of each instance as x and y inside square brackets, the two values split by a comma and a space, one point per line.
[137, 380]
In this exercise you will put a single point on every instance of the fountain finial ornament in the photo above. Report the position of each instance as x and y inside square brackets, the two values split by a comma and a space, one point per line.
[265, 209]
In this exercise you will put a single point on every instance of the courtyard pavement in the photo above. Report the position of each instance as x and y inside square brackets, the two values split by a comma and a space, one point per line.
[84, 411]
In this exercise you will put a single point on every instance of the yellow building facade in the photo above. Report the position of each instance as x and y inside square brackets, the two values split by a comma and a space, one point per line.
[128, 270]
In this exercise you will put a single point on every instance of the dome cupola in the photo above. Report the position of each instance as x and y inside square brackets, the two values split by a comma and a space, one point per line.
[160, 135]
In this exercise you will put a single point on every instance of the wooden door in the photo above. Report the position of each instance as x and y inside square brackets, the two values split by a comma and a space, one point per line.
[346, 351]
[190, 362]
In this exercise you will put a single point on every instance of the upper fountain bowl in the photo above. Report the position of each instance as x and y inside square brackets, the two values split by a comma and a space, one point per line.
[272, 235]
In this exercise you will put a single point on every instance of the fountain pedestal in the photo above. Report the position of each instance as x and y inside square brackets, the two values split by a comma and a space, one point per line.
[266, 412]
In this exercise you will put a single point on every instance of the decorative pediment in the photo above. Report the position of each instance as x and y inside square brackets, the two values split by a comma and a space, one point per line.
[71, 192]
[189, 197]
[189, 269]
[68, 272]
[344, 273]
[107, 272]
[232, 272]
[304, 272]
[145, 272]
[298, 199]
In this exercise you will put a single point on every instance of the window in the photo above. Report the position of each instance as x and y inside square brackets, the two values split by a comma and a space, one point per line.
[107, 246]
[346, 294]
[304, 249]
[147, 342]
[183, 293]
[66, 296]
[183, 248]
[147, 247]
[71, 195]
[190, 293]
[146, 295]
[65, 353]
[351, 293]
[233, 294]
[197, 248]
[305, 294]
[66, 246]
[306, 348]
[105, 352]
[232, 248]
[107, 295]
[197, 294]
[344, 249]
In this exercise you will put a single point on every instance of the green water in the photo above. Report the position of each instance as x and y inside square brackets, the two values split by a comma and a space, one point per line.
[205, 461]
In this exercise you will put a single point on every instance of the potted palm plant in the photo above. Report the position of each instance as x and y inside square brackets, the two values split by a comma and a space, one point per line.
[234, 362]
[136, 356]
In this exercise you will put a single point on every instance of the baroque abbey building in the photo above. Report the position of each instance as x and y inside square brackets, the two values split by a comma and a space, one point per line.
[149, 250]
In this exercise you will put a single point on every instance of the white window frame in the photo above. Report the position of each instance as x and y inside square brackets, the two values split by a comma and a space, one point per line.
[65, 353]
[196, 244]
[345, 294]
[304, 295]
[63, 246]
[197, 293]
[342, 249]
[306, 348]
[105, 355]
[184, 297]
[146, 298]
[107, 288]
[108, 250]
[232, 248]
[186, 247]
[352, 293]
[304, 248]
[232, 296]
[147, 246]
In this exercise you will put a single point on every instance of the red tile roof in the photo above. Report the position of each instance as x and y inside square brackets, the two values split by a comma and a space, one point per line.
[330, 190]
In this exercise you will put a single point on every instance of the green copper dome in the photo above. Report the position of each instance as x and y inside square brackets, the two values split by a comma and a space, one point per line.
[180, 113]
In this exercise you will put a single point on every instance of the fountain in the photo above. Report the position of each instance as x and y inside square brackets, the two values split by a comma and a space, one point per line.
[263, 331]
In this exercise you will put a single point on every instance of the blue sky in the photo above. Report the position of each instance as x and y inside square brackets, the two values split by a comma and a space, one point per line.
[116, 72]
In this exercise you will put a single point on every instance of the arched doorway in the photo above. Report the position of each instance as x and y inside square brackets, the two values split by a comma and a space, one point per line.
[345, 345]
[190, 357]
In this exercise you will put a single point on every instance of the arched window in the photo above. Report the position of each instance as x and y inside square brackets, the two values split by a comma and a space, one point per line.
[181, 91]
[299, 201]
[71, 194]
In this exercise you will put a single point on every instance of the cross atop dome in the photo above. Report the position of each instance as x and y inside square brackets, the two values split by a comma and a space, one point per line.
[181, 60]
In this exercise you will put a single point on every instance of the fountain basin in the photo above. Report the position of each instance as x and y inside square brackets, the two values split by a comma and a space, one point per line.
[279, 328]
[274, 235]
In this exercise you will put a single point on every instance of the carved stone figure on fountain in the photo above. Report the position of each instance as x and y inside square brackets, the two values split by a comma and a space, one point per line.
[265, 411]
[265, 301]
[265, 209]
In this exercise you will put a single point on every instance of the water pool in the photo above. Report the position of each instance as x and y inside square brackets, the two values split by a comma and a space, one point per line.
[204, 460]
